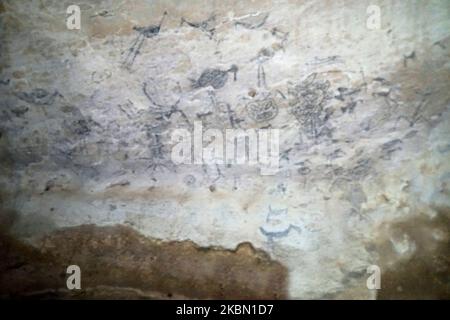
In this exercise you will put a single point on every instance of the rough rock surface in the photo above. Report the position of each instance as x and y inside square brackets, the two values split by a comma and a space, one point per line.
[364, 118]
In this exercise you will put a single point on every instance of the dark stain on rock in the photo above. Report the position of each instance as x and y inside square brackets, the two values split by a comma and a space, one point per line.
[118, 262]
[425, 274]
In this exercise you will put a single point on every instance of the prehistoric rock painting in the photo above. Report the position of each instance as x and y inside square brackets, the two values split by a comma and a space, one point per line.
[264, 55]
[417, 115]
[360, 121]
[276, 226]
[207, 26]
[251, 21]
[143, 33]
[215, 78]
[38, 96]
[267, 53]
[326, 60]
[307, 101]
[262, 110]
[165, 112]
[159, 153]
[224, 112]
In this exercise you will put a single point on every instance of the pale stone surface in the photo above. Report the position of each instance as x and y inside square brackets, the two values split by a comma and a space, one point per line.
[83, 143]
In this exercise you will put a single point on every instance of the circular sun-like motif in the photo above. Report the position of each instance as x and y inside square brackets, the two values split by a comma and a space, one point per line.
[262, 110]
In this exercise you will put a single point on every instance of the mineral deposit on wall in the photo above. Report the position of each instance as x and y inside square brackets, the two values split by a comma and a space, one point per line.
[358, 91]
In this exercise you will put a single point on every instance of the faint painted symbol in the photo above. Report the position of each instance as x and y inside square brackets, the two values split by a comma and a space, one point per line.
[262, 110]
[263, 56]
[223, 111]
[207, 26]
[252, 21]
[276, 225]
[39, 96]
[307, 101]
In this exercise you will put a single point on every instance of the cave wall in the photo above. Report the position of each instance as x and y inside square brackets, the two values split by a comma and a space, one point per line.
[363, 115]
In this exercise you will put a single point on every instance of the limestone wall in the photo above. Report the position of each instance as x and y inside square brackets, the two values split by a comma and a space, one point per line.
[362, 110]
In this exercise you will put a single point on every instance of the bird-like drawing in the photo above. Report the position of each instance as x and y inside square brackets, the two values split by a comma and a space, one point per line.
[143, 33]
[267, 53]
[207, 26]
[215, 78]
